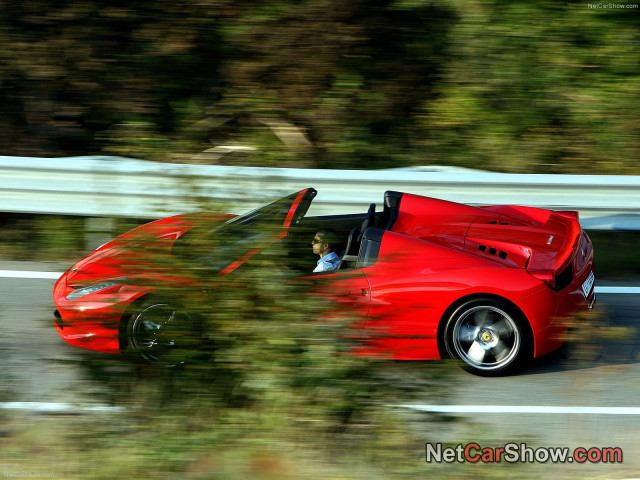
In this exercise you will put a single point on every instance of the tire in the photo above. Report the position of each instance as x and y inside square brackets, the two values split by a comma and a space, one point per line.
[491, 337]
[162, 333]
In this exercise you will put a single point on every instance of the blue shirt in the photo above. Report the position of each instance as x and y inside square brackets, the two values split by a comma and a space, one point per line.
[327, 263]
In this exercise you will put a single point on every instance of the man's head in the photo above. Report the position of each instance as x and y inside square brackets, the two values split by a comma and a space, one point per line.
[324, 241]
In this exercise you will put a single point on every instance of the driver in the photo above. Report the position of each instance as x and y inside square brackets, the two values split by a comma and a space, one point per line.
[323, 243]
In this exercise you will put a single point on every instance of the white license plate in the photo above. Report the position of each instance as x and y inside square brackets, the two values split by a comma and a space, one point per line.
[588, 284]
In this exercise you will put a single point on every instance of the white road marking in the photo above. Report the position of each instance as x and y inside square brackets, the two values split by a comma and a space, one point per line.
[634, 290]
[68, 408]
[537, 409]
[23, 274]
[55, 407]
[56, 275]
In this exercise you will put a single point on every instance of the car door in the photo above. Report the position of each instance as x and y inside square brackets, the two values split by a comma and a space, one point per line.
[348, 287]
[406, 300]
[348, 294]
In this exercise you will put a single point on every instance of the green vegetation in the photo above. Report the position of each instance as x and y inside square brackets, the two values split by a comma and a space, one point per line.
[533, 87]
[274, 392]
[56, 238]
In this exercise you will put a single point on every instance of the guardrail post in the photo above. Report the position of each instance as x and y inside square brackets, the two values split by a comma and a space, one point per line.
[98, 231]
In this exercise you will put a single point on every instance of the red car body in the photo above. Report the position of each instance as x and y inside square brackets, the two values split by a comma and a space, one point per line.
[488, 285]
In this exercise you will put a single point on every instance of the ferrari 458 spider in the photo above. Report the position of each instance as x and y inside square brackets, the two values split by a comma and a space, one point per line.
[487, 285]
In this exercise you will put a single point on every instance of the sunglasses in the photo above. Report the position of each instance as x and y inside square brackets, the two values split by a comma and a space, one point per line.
[316, 240]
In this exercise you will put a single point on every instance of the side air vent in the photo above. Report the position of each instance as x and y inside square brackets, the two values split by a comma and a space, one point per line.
[493, 251]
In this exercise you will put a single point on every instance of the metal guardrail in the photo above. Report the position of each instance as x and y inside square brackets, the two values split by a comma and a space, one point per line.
[121, 187]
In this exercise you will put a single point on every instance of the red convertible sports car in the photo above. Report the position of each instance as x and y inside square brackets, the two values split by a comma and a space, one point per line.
[488, 285]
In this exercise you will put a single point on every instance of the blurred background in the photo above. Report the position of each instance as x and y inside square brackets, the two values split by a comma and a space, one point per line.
[517, 86]
[505, 86]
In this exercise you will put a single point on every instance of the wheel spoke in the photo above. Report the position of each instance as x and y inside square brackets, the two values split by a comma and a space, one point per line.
[480, 318]
[150, 325]
[476, 352]
[500, 351]
[502, 327]
[468, 333]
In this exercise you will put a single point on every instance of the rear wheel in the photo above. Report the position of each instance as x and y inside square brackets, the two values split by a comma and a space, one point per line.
[161, 332]
[490, 336]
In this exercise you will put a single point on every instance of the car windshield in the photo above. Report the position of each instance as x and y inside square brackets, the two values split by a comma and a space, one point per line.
[262, 219]
[219, 247]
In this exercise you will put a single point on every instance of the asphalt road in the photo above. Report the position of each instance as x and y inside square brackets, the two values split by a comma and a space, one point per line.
[600, 371]
[32, 356]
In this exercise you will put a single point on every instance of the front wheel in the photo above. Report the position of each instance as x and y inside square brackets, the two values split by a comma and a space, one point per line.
[490, 336]
[161, 332]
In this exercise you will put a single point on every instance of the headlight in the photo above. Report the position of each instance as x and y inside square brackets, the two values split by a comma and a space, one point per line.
[81, 292]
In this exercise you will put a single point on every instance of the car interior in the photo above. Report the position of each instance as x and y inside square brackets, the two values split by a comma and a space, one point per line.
[361, 234]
